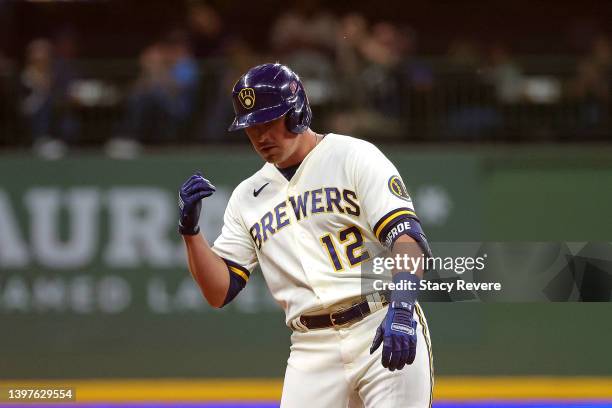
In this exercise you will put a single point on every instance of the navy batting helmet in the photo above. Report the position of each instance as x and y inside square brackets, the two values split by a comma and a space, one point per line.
[268, 92]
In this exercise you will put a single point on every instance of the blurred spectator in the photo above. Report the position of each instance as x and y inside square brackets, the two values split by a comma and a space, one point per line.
[593, 73]
[36, 79]
[592, 84]
[303, 38]
[396, 77]
[184, 74]
[469, 100]
[350, 62]
[369, 61]
[381, 75]
[352, 115]
[416, 73]
[163, 100]
[64, 61]
[415, 100]
[307, 26]
[504, 74]
[206, 30]
[218, 110]
[381, 47]
[46, 103]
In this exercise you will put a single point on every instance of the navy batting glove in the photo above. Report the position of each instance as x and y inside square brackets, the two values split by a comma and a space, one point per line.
[190, 198]
[397, 333]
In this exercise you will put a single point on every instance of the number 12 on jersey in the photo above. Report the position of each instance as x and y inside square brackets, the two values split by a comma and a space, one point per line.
[352, 240]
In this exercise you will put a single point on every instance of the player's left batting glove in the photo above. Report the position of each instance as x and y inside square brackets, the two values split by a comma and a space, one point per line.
[190, 198]
[397, 332]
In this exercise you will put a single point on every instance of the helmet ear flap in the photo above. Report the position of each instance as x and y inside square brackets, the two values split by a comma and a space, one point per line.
[293, 121]
[297, 120]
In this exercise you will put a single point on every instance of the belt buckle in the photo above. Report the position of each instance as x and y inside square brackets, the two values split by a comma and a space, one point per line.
[333, 320]
[347, 323]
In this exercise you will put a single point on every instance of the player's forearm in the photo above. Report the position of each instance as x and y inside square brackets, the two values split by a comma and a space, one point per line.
[406, 245]
[208, 269]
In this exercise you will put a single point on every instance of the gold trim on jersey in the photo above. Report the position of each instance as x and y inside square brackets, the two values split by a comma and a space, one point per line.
[390, 218]
[238, 272]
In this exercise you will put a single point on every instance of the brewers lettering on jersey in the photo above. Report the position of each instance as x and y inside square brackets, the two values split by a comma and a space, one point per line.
[305, 218]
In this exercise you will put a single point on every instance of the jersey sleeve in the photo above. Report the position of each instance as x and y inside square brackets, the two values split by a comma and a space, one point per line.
[234, 245]
[381, 190]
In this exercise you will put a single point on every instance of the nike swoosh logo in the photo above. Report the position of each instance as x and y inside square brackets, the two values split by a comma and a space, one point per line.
[256, 192]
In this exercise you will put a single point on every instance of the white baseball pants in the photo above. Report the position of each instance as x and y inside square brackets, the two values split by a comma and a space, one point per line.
[330, 368]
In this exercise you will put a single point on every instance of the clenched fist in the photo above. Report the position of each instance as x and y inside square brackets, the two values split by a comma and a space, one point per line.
[190, 198]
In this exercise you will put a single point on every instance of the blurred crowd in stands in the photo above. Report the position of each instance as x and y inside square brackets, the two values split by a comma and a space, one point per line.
[364, 78]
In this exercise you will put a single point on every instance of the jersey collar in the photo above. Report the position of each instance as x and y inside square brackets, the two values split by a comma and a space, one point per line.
[270, 169]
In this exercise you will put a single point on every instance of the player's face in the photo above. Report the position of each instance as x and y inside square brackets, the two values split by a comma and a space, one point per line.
[273, 142]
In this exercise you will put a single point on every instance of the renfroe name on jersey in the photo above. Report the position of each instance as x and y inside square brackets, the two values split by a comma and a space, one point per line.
[321, 200]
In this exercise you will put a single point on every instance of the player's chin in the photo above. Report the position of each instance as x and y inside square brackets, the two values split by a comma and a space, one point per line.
[270, 155]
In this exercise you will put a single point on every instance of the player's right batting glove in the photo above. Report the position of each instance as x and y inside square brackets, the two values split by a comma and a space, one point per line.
[190, 198]
[397, 332]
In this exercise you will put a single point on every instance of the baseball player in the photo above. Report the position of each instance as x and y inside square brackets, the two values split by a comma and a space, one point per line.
[305, 217]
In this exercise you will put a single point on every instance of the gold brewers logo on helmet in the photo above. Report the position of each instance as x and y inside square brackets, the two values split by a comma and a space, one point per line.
[246, 96]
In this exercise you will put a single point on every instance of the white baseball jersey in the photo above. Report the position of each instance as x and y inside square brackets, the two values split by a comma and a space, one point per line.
[308, 234]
